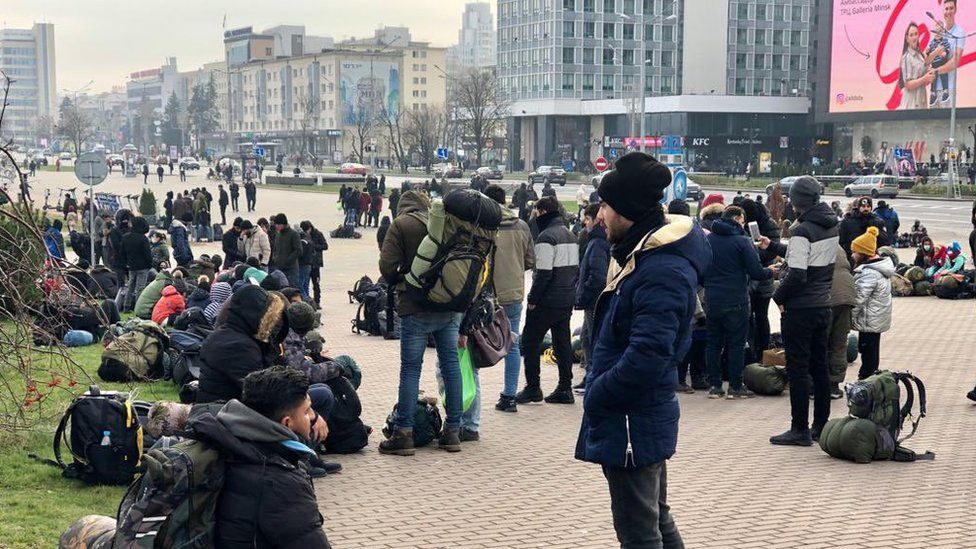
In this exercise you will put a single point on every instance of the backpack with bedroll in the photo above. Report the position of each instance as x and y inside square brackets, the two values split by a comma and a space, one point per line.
[451, 265]
[105, 439]
[765, 380]
[871, 431]
[172, 504]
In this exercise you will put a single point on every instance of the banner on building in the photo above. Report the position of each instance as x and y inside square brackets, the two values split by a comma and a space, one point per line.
[367, 89]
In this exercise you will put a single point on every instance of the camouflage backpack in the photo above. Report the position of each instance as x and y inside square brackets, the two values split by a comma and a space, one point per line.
[138, 353]
[872, 430]
[172, 504]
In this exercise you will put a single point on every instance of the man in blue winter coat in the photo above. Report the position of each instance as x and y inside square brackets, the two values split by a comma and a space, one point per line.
[735, 262]
[643, 325]
[592, 278]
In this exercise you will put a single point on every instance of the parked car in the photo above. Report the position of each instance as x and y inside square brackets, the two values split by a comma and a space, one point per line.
[489, 172]
[785, 184]
[548, 174]
[353, 168]
[39, 159]
[64, 156]
[694, 191]
[190, 163]
[115, 160]
[874, 186]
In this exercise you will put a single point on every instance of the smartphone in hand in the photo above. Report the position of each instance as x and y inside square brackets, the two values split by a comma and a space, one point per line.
[754, 231]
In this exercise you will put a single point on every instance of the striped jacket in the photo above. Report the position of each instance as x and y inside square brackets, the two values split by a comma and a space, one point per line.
[810, 258]
[556, 264]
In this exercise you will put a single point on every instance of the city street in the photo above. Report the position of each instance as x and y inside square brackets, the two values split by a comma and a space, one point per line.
[728, 487]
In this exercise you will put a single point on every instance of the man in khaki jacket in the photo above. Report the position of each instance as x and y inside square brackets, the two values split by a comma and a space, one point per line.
[842, 299]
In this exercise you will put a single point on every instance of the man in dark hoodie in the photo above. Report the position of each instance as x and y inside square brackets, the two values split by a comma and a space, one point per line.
[856, 223]
[318, 244]
[222, 201]
[734, 263]
[286, 250]
[551, 301]
[228, 243]
[137, 254]
[267, 499]
[249, 330]
[416, 325]
[113, 254]
[804, 299]
[643, 327]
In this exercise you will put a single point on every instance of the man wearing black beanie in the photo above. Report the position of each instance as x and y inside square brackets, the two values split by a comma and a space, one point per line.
[642, 330]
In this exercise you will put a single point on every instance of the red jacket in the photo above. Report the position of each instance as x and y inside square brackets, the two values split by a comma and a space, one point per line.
[364, 200]
[170, 303]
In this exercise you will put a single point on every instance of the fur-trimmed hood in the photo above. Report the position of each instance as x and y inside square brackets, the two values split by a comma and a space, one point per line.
[712, 210]
[256, 312]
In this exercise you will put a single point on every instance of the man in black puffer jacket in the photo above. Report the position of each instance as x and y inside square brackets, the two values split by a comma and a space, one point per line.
[857, 222]
[760, 291]
[247, 338]
[551, 301]
[267, 499]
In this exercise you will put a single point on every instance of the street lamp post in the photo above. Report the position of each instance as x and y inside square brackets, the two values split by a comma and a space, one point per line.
[643, 66]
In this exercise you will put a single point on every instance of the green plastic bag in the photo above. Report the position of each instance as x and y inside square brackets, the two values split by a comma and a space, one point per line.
[469, 384]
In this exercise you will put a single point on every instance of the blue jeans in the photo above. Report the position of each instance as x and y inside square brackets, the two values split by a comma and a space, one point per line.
[322, 399]
[350, 216]
[727, 329]
[513, 360]
[413, 342]
[304, 275]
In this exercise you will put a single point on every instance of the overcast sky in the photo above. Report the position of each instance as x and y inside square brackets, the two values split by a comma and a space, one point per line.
[105, 40]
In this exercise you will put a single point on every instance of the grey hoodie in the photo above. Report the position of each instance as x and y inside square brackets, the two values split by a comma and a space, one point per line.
[245, 423]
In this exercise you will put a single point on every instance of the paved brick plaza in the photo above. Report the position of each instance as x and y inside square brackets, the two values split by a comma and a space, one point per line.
[520, 486]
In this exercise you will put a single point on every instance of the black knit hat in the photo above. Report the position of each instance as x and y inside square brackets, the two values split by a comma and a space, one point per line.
[635, 186]
[301, 317]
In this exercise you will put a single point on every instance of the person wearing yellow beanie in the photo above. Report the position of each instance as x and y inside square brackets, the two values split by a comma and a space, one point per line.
[872, 312]
[866, 244]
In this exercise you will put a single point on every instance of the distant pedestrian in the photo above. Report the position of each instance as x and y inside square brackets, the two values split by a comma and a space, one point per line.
[33, 168]
[159, 172]
[251, 194]
[222, 201]
[171, 166]
[182, 173]
[235, 193]
[145, 174]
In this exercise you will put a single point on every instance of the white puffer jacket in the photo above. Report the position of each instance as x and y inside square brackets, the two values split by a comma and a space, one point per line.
[872, 313]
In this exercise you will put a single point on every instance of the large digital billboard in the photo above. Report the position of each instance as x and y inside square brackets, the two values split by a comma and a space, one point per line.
[891, 55]
[367, 89]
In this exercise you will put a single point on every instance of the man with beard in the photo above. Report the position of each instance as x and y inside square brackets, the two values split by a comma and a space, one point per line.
[857, 222]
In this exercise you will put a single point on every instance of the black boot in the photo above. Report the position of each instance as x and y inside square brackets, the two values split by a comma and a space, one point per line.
[971, 395]
[562, 395]
[793, 437]
[450, 440]
[529, 394]
[506, 404]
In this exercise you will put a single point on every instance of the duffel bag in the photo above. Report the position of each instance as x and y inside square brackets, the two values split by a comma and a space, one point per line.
[765, 380]
[856, 439]
[922, 288]
[915, 274]
[900, 286]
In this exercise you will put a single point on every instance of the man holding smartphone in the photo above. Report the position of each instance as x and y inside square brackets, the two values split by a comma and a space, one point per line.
[735, 262]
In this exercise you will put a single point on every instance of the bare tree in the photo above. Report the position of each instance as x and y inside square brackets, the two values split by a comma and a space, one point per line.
[393, 124]
[423, 131]
[481, 106]
[75, 125]
[362, 124]
[44, 127]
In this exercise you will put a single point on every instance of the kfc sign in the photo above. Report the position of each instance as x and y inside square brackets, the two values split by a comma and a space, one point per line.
[700, 141]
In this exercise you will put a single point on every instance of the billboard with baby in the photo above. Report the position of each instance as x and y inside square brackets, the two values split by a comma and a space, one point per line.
[889, 55]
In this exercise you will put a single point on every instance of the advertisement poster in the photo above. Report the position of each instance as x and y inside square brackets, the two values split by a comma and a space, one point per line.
[365, 89]
[901, 162]
[890, 55]
[765, 162]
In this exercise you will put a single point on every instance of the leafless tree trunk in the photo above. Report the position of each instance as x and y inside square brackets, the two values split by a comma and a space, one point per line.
[361, 130]
[76, 126]
[481, 107]
[394, 136]
[424, 130]
[308, 119]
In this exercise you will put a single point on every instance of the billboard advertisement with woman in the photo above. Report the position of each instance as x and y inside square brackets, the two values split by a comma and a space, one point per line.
[889, 55]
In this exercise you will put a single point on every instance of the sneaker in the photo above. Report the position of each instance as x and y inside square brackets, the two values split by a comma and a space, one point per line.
[971, 395]
[450, 440]
[561, 396]
[315, 472]
[467, 435]
[529, 394]
[580, 386]
[933, 99]
[792, 438]
[684, 388]
[580, 391]
[506, 404]
[400, 444]
[835, 392]
[715, 392]
[741, 394]
[945, 97]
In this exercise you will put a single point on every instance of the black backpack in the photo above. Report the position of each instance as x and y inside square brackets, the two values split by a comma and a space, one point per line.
[186, 358]
[347, 434]
[427, 423]
[372, 315]
[105, 438]
[356, 293]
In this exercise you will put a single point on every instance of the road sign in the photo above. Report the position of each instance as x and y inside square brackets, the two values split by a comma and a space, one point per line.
[259, 151]
[601, 164]
[90, 168]
[613, 153]
[442, 153]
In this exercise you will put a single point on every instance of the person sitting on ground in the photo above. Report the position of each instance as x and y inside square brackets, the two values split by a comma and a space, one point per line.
[200, 296]
[169, 306]
[711, 209]
[151, 294]
[247, 337]
[267, 499]
[220, 292]
[158, 250]
[381, 233]
[203, 266]
[77, 276]
[925, 254]
[104, 283]
[954, 263]
[64, 311]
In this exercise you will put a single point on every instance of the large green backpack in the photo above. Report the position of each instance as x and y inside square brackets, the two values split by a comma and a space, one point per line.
[138, 353]
[871, 431]
[452, 263]
[765, 380]
[173, 503]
